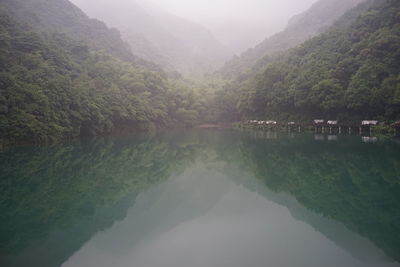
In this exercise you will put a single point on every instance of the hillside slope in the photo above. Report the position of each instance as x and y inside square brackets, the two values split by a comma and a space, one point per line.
[352, 72]
[64, 17]
[300, 28]
[175, 43]
[58, 79]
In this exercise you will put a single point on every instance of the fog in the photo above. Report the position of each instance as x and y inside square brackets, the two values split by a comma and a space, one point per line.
[238, 24]
[244, 10]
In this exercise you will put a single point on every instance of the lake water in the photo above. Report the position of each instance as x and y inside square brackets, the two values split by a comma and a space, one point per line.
[202, 198]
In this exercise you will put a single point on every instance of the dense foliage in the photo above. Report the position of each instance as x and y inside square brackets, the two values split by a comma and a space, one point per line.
[53, 86]
[301, 27]
[63, 17]
[348, 73]
[65, 75]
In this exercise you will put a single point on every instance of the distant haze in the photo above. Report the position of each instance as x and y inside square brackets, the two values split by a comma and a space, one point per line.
[239, 24]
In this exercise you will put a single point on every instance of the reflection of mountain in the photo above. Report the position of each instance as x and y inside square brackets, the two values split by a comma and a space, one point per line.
[162, 208]
[360, 248]
[57, 198]
[204, 210]
[353, 183]
[53, 199]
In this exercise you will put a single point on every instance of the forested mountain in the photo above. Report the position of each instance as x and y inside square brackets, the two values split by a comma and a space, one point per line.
[351, 72]
[300, 28]
[156, 35]
[64, 17]
[64, 75]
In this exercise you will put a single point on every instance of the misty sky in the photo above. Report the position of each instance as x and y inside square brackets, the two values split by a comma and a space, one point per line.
[239, 24]
[240, 10]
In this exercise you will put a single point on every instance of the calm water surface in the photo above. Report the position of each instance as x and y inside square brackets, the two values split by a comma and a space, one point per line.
[202, 198]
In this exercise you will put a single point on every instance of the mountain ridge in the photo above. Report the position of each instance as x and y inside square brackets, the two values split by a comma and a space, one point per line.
[301, 27]
[59, 80]
[178, 44]
[349, 73]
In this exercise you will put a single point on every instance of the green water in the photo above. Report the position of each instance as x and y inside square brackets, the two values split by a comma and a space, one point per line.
[202, 198]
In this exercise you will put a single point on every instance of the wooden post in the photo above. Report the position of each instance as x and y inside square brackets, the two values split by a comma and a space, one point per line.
[340, 129]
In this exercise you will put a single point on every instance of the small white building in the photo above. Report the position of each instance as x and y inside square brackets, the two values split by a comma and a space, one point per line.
[332, 122]
[291, 123]
[369, 123]
[271, 122]
[319, 121]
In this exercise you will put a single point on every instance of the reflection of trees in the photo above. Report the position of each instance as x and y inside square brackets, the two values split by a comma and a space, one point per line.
[354, 183]
[57, 188]
[68, 193]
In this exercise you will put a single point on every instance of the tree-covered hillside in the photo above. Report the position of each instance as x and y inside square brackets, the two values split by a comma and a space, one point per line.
[350, 72]
[64, 17]
[65, 75]
[55, 85]
[300, 28]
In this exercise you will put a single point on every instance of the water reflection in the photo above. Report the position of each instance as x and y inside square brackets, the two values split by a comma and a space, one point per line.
[54, 199]
[369, 139]
[333, 137]
[202, 198]
[351, 182]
